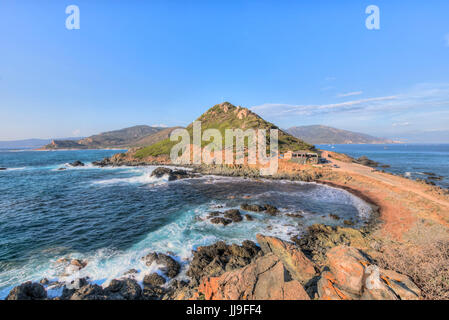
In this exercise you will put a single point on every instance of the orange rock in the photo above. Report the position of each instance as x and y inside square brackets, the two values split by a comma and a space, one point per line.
[401, 285]
[263, 279]
[293, 259]
[328, 290]
[347, 264]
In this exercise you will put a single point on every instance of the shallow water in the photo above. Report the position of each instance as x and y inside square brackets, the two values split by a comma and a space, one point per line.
[114, 216]
[412, 160]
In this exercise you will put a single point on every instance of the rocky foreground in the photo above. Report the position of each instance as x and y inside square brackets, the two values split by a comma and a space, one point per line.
[325, 264]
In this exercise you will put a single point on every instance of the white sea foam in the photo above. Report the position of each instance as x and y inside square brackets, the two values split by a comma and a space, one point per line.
[179, 237]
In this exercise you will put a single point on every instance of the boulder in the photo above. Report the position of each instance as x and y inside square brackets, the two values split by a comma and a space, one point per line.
[154, 279]
[351, 276]
[28, 291]
[401, 284]
[172, 174]
[160, 172]
[77, 163]
[2, 169]
[347, 264]
[248, 217]
[213, 214]
[294, 260]
[367, 162]
[220, 220]
[215, 259]
[263, 279]
[87, 292]
[383, 284]
[234, 215]
[252, 207]
[320, 238]
[271, 209]
[127, 289]
[170, 268]
[327, 289]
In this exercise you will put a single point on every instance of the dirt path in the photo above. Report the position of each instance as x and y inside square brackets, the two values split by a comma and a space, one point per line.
[391, 180]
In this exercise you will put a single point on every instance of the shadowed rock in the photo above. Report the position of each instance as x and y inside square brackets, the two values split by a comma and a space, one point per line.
[215, 259]
[77, 163]
[127, 289]
[154, 279]
[234, 215]
[220, 220]
[28, 291]
[171, 267]
[172, 174]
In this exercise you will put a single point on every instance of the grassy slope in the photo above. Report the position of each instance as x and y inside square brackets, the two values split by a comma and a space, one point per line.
[225, 116]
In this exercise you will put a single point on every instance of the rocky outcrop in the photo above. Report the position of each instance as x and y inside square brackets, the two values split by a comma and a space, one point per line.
[220, 220]
[320, 238]
[172, 174]
[233, 215]
[367, 162]
[267, 208]
[154, 279]
[170, 267]
[263, 279]
[352, 275]
[218, 258]
[28, 291]
[2, 169]
[126, 289]
[298, 265]
[348, 264]
[77, 163]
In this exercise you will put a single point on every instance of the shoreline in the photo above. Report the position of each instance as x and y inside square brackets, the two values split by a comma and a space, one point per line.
[364, 183]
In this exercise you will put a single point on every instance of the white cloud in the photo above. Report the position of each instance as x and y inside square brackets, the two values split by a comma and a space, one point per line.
[401, 124]
[286, 109]
[76, 132]
[349, 94]
[330, 78]
[421, 98]
[446, 38]
[160, 125]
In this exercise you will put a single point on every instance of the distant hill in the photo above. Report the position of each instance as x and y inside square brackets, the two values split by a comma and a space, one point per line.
[154, 138]
[27, 143]
[318, 134]
[123, 138]
[227, 116]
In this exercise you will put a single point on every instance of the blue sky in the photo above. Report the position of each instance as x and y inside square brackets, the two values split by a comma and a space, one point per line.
[165, 62]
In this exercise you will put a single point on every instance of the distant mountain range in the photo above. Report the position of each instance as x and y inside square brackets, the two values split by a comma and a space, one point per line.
[222, 116]
[28, 143]
[319, 134]
[124, 138]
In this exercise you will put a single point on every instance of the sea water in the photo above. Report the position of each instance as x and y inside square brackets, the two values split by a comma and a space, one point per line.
[111, 217]
[415, 161]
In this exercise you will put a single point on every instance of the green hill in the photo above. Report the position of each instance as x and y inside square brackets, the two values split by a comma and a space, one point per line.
[227, 116]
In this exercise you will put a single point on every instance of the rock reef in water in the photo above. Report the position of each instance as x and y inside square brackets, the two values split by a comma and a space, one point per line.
[322, 266]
